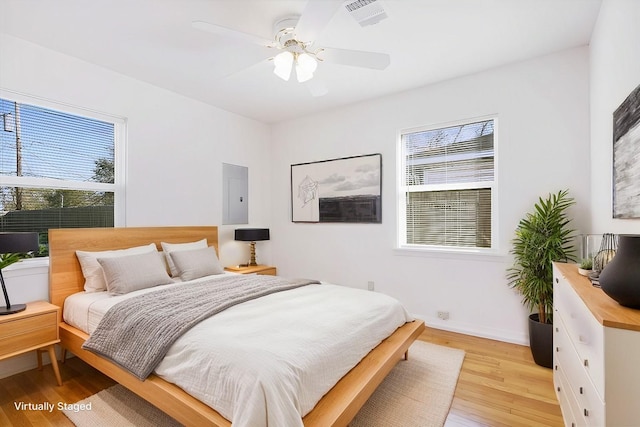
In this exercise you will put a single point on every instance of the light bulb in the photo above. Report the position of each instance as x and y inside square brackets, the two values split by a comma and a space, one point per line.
[283, 64]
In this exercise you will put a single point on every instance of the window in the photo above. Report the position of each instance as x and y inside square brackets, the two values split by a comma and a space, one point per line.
[447, 187]
[58, 169]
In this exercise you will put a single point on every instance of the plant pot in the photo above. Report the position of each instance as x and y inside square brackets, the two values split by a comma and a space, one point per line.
[541, 341]
[584, 271]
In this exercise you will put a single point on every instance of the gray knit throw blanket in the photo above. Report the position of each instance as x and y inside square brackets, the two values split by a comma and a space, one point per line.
[137, 333]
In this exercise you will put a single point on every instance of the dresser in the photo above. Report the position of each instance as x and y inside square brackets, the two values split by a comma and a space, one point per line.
[596, 354]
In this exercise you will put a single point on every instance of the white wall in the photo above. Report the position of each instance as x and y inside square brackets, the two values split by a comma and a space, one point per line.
[176, 147]
[543, 146]
[615, 72]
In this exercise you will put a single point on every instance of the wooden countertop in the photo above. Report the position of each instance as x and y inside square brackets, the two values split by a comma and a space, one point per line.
[605, 309]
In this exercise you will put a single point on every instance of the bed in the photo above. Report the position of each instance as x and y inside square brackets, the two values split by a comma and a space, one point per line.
[336, 408]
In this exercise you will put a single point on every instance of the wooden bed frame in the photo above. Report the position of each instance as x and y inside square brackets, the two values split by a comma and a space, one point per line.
[336, 408]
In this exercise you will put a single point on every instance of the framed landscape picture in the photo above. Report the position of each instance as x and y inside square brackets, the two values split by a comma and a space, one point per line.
[338, 190]
[626, 157]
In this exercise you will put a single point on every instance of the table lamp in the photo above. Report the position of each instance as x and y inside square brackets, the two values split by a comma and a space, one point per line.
[14, 243]
[252, 235]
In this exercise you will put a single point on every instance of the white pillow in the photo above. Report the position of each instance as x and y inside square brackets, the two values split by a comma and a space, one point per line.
[129, 273]
[167, 248]
[197, 263]
[92, 271]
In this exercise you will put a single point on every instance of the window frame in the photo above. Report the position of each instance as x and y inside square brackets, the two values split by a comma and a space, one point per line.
[404, 248]
[120, 158]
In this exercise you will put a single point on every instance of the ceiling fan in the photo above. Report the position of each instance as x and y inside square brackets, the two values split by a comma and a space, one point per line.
[294, 43]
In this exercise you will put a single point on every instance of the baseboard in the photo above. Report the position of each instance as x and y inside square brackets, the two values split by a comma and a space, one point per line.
[475, 330]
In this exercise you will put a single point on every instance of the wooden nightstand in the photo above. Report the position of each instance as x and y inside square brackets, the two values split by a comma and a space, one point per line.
[256, 269]
[32, 329]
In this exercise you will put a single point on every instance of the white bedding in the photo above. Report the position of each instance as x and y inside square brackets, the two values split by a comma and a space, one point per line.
[283, 351]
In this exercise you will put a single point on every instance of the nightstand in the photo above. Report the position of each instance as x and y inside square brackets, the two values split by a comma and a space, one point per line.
[32, 329]
[255, 269]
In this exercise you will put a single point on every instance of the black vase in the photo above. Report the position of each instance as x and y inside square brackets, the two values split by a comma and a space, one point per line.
[620, 278]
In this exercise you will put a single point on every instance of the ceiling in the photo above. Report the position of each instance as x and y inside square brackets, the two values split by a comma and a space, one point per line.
[428, 41]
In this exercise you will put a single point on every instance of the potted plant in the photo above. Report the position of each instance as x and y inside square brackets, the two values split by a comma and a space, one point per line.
[542, 236]
[585, 267]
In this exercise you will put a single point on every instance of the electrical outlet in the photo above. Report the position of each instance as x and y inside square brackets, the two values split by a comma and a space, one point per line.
[444, 315]
[370, 285]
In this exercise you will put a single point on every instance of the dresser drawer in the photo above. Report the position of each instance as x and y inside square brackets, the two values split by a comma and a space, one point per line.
[568, 404]
[583, 330]
[27, 324]
[588, 400]
[27, 332]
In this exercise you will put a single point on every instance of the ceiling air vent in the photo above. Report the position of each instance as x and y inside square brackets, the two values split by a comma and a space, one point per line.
[365, 12]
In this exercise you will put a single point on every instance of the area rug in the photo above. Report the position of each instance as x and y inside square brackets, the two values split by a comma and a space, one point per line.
[417, 393]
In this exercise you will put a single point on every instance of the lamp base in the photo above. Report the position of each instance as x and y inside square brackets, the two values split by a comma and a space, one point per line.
[252, 252]
[15, 308]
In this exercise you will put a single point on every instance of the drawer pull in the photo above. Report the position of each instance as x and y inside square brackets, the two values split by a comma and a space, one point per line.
[557, 280]
[558, 389]
[582, 339]
[586, 362]
[581, 390]
[557, 329]
[586, 413]
[557, 349]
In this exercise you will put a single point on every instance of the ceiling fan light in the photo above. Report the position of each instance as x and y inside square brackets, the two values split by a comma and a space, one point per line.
[307, 63]
[305, 66]
[283, 63]
[302, 75]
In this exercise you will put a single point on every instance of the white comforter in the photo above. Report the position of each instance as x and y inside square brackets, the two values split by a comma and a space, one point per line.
[267, 362]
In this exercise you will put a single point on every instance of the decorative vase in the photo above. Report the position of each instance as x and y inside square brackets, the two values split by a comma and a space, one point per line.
[620, 279]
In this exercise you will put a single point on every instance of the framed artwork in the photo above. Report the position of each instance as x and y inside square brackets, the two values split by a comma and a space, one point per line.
[626, 157]
[338, 190]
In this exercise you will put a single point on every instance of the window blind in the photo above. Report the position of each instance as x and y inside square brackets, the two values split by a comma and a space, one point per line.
[53, 144]
[459, 218]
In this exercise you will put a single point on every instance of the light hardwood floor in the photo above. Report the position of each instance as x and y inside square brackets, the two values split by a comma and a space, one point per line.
[499, 385]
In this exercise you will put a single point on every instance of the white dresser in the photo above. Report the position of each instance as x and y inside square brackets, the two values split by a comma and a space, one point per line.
[596, 354]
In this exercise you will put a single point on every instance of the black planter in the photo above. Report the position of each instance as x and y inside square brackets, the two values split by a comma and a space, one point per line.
[541, 341]
[620, 278]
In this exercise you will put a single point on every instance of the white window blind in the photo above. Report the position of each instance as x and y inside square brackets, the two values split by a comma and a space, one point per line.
[447, 186]
[57, 169]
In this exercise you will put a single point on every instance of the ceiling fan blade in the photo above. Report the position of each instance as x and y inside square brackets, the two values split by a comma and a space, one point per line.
[315, 17]
[316, 87]
[239, 63]
[356, 58]
[234, 34]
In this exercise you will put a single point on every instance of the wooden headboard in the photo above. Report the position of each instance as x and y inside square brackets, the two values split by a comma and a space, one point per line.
[65, 274]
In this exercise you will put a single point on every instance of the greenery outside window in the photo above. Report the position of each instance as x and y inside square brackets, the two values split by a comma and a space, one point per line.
[60, 167]
[447, 187]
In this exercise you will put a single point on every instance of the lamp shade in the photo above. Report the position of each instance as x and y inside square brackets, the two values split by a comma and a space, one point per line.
[305, 66]
[18, 242]
[283, 64]
[252, 234]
